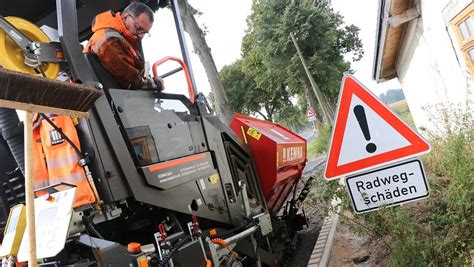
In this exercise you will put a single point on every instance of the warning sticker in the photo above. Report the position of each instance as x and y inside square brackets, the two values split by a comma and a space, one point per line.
[171, 173]
[254, 133]
[214, 178]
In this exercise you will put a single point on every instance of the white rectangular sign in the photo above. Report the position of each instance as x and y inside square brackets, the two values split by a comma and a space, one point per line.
[388, 186]
[52, 219]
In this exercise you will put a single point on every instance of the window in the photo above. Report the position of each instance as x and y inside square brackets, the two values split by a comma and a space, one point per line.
[463, 25]
[140, 146]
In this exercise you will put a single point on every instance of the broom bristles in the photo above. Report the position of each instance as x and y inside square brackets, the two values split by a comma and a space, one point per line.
[25, 88]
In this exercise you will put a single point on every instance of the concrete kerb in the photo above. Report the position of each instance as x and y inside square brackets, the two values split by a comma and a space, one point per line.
[325, 239]
[322, 250]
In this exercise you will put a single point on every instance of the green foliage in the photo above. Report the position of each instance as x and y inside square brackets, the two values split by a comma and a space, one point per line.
[401, 108]
[269, 57]
[452, 173]
[320, 144]
[245, 96]
[240, 89]
[392, 96]
[292, 117]
[438, 231]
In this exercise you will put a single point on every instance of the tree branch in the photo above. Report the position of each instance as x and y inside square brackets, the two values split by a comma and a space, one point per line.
[261, 114]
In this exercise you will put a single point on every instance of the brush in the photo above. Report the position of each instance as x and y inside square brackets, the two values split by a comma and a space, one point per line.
[38, 94]
[42, 95]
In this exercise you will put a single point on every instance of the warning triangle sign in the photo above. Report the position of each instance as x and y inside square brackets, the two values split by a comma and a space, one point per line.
[367, 133]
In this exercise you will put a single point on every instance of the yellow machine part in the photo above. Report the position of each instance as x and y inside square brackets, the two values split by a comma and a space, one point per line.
[11, 56]
[14, 231]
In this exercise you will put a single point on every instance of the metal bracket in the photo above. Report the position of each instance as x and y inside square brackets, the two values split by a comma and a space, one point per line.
[406, 16]
[265, 223]
[107, 215]
[245, 198]
[49, 52]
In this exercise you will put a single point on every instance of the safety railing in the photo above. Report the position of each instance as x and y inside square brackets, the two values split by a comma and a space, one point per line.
[183, 67]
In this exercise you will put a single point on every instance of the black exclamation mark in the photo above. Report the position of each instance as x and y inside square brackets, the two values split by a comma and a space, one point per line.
[362, 119]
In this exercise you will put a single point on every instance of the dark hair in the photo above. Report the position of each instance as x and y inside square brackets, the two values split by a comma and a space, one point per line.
[137, 8]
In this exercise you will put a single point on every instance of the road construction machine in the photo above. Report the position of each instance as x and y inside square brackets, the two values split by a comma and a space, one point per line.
[175, 186]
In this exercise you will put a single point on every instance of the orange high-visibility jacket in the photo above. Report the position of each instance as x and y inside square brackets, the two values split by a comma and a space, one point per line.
[118, 51]
[55, 160]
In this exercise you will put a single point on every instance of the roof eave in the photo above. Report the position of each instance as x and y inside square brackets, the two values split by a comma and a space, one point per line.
[382, 25]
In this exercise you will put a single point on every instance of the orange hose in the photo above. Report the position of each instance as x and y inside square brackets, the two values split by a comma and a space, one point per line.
[223, 244]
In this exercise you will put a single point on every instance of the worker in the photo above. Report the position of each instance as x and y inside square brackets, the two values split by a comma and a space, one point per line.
[117, 43]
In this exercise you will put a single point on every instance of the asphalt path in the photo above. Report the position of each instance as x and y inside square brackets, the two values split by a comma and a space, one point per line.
[314, 165]
[308, 135]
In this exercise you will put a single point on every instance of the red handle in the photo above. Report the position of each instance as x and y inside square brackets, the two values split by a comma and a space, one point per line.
[185, 69]
[163, 234]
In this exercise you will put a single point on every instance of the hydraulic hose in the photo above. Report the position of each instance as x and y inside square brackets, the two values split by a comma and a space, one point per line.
[224, 234]
[12, 132]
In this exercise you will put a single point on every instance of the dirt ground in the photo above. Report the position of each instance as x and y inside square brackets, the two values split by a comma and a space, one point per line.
[352, 249]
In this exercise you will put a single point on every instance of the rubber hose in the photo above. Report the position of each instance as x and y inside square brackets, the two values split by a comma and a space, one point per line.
[12, 132]
[228, 233]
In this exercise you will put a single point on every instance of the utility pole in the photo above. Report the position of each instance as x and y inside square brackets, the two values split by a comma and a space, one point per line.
[319, 95]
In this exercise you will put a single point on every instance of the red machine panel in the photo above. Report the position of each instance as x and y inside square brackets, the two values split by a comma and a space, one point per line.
[279, 154]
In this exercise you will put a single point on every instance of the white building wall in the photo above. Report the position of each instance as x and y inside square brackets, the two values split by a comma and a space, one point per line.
[429, 69]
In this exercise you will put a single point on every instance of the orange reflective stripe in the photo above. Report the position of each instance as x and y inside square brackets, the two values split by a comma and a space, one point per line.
[72, 178]
[62, 161]
[104, 35]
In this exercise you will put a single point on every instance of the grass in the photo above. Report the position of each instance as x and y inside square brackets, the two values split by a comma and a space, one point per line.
[319, 145]
[401, 108]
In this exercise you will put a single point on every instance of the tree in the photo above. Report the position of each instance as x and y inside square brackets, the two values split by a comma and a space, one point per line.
[392, 96]
[251, 98]
[240, 88]
[201, 48]
[270, 57]
[293, 116]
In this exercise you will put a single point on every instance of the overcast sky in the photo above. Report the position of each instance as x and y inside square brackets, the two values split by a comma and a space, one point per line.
[226, 23]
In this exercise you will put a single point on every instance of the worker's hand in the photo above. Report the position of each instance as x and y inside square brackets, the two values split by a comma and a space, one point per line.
[159, 84]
